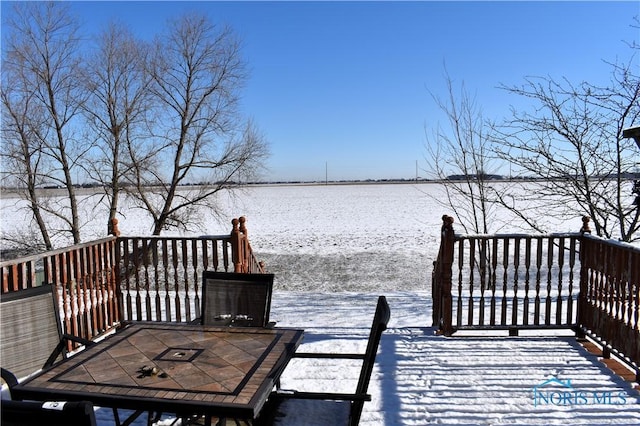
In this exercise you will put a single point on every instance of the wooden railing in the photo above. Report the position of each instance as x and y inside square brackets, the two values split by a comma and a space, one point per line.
[509, 281]
[610, 296]
[516, 282]
[85, 279]
[105, 282]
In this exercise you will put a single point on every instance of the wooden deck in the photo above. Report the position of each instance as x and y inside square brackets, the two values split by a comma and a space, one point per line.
[421, 378]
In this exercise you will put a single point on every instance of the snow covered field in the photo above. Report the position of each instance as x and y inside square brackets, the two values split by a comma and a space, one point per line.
[334, 249]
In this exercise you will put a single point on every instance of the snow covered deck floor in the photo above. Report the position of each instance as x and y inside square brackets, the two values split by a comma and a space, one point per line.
[422, 379]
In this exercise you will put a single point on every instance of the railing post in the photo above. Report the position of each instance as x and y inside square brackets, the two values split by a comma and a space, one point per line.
[442, 300]
[245, 248]
[436, 297]
[584, 279]
[236, 246]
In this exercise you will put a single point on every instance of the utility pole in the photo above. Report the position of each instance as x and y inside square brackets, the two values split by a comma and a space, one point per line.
[326, 173]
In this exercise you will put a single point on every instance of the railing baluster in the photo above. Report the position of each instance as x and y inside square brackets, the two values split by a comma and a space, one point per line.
[527, 277]
[621, 297]
[505, 280]
[156, 279]
[5, 278]
[598, 281]
[214, 250]
[205, 254]
[165, 264]
[83, 279]
[483, 278]
[572, 262]
[547, 309]
[561, 249]
[472, 269]
[622, 285]
[536, 319]
[174, 259]
[225, 255]
[460, 281]
[124, 281]
[146, 288]
[136, 264]
[630, 289]
[634, 284]
[112, 261]
[196, 279]
[494, 279]
[68, 280]
[516, 264]
[95, 314]
[100, 270]
[185, 271]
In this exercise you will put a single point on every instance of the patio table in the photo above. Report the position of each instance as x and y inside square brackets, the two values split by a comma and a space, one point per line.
[176, 368]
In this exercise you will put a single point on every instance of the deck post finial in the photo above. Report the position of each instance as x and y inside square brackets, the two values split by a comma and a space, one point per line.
[585, 225]
[114, 227]
[243, 227]
[447, 222]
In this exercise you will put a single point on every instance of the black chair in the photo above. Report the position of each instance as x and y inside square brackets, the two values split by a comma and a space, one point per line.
[32, 336]
[36, 413]
[234, 299]
[356, 400]
[32, 413]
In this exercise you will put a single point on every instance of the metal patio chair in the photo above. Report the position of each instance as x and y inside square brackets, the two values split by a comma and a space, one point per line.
[32, 337]
[355, 400]
[236, 299]
[33, 413]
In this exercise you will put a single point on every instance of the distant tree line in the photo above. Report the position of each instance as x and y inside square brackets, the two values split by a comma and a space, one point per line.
[134, 118]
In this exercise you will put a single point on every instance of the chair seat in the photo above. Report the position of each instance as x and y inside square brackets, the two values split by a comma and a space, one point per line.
[34, 413]
[311, 412]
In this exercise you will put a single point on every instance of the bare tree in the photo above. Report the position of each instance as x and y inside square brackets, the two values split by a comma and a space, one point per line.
[572, 145]
[41, 63]
[118, 111]
[22, 151]
[197, 73]
[460, 156]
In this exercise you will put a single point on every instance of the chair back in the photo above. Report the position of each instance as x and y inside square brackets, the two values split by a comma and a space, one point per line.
[31, 329]
[33, 413]
[236, 299]
[380, 321]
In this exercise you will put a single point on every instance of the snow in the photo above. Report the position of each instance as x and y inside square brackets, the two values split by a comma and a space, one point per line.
[334, 249]
[421, 378]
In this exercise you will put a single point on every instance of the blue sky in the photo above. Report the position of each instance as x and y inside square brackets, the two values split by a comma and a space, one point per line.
[347, 84]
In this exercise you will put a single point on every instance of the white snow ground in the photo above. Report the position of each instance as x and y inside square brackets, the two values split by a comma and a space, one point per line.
[334, 249]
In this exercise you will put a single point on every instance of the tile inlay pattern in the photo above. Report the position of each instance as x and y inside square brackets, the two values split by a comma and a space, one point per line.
[185, 368]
